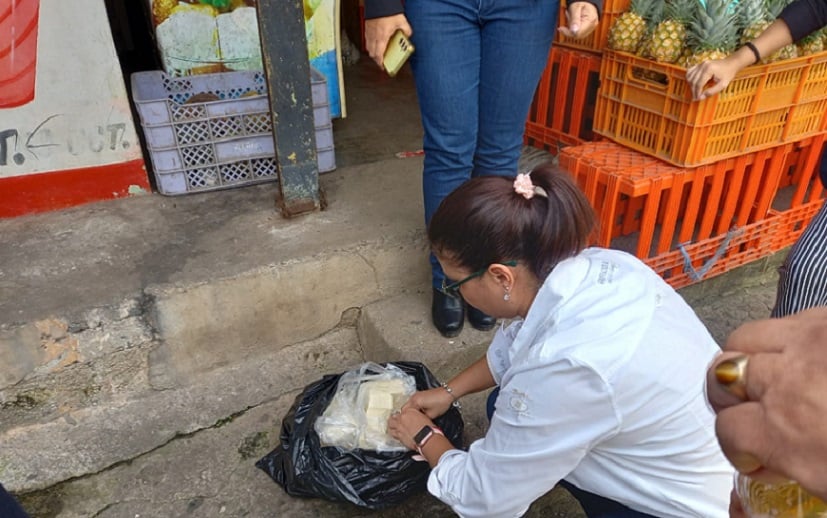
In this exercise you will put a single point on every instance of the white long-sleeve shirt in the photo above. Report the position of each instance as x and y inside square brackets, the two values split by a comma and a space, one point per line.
[602, 385]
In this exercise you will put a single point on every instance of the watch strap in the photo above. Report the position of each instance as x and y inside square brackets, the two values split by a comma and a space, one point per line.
[425, 435]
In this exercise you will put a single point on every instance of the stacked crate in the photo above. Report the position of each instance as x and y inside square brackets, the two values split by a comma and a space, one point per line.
[563, 108]
[693, 188]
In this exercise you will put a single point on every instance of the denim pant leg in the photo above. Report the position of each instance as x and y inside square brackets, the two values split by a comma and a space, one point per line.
[516, 39]
[9, 508]
[452, 70]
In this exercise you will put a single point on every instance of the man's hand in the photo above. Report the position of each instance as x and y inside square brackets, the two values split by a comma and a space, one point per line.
[582, 20]
[777, 429]
[378, 32]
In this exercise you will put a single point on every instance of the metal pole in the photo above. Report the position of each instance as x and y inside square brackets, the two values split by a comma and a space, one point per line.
[287, 71]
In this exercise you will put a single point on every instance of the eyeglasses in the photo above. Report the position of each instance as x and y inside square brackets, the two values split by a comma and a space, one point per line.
[452, 290]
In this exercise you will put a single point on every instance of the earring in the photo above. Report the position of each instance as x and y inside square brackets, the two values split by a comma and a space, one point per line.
[507, 295]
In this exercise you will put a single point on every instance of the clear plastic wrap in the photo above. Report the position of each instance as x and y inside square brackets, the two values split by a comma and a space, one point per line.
[357, 417]
[366, 478]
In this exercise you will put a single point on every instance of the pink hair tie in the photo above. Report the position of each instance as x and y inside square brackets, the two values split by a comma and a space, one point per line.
[524, 187]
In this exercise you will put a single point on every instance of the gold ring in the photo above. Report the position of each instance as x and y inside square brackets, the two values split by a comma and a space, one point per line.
[732, 375]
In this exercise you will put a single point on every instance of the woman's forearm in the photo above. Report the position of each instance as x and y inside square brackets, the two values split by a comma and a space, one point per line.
[774, 37]
[475, 378]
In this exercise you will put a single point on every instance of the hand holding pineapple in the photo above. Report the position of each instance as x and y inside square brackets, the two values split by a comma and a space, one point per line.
[582, 19]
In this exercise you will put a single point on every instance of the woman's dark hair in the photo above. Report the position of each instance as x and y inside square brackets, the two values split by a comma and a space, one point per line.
[485, 221]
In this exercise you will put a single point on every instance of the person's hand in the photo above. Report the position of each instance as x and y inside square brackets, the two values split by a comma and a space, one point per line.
[779, 428]
[378, 32]
[405, 424]
[433, 402]
[581, 18]
[719, 71]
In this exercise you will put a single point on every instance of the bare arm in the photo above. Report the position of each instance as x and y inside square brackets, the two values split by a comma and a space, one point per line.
[721, 71]
[428, 404]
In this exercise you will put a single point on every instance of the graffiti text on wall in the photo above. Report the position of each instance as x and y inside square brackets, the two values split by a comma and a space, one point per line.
[18, 146]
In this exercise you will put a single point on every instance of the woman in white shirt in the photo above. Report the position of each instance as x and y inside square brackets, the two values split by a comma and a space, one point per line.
[600, 375]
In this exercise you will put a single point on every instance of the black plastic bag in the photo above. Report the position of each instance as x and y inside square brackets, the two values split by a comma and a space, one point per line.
[371, 479]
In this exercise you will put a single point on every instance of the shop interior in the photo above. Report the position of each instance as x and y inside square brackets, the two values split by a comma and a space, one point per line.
[382, 117]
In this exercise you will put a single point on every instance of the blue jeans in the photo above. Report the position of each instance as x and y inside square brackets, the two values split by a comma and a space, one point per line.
[476, 66]
[595, 506]
[9, 508]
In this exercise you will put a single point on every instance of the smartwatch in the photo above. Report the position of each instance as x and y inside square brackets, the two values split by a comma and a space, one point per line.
[424, 435]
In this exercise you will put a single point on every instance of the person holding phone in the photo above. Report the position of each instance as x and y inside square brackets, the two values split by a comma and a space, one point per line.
[476, 67]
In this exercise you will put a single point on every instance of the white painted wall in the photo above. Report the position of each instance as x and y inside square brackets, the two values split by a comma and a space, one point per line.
[80, 114]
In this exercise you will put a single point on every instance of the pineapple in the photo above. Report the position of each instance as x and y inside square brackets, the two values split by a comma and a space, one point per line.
[713, 33]
[629, 29]
[812, 44]
[774, 7]
[754, 17]
[669, 36]
[653, 18]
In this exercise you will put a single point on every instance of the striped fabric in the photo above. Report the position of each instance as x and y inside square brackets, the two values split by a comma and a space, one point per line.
[803, 276]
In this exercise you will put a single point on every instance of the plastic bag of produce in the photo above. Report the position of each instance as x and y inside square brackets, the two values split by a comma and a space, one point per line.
[369, 478]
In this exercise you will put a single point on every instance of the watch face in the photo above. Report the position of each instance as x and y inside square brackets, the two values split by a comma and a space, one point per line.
[420, 436]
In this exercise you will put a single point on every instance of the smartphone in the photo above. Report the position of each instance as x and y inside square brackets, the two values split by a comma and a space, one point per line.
[398, 51]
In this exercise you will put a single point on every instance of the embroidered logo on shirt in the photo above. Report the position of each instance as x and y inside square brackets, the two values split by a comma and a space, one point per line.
[607, 271]
[517, 401]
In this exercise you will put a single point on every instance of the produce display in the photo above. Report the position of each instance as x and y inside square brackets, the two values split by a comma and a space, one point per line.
[687, 32]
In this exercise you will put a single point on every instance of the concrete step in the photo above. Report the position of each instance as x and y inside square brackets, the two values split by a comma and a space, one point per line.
[210, 470]
[128, 328]
[117, 319]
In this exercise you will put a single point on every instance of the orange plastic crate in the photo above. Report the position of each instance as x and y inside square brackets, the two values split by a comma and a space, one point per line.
[764, 106]
[799, 183]
[792, 222]
[658, 211]
[713, 256]
[562, 111]
[597, 40]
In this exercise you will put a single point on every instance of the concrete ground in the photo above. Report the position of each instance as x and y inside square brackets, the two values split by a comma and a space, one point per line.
[149, 347]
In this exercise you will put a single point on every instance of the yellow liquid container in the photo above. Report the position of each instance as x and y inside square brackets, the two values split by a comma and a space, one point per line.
[787, 500]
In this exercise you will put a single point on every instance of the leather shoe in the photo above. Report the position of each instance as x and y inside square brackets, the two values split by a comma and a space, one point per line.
[480, 320]
[448, 314]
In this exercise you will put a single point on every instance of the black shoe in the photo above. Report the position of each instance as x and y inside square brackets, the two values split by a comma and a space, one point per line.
[480, 320]
[448, 314]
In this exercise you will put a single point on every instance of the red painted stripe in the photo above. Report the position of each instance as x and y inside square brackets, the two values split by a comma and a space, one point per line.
[20, 39]
[32, 193]
[23, 72]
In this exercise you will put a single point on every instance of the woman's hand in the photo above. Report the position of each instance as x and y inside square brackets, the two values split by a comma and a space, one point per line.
[378, 32]
[719, 71]
[404, 425]
[582, 19]
[433, 402]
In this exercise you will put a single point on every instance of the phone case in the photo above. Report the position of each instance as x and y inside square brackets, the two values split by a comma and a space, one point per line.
[398, 51]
